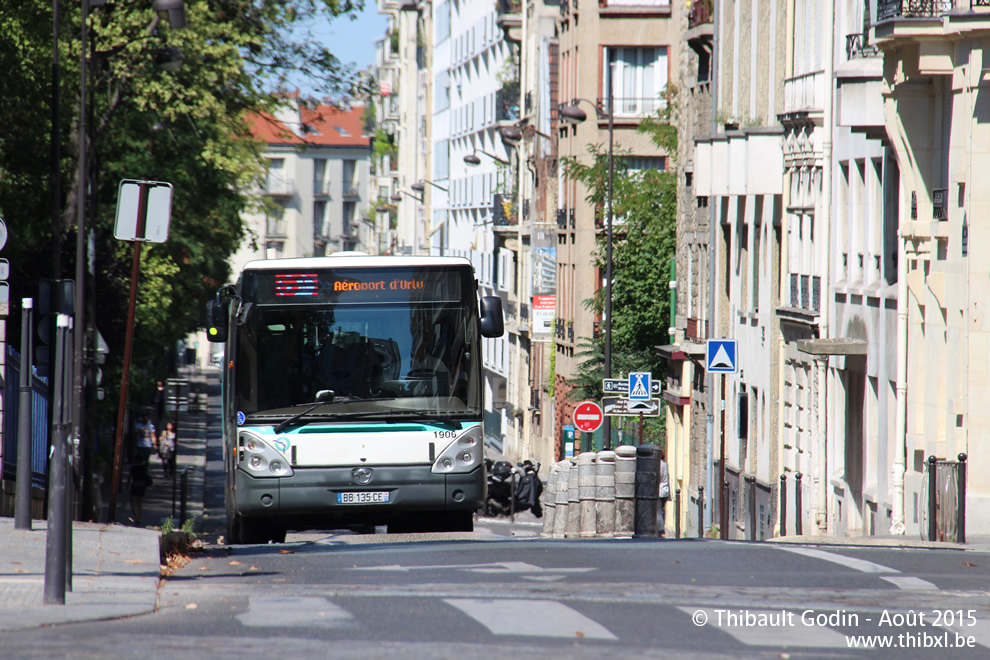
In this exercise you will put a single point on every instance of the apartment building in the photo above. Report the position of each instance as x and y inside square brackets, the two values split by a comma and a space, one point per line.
[630, 46]
[936, 123]
[318, 179]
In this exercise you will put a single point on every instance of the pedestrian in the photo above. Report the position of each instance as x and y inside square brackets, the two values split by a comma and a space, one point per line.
[146, 439]
[139, 484]
[664, 496]
[166, 449]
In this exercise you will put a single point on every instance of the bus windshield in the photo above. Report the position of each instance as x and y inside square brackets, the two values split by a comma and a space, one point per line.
[377, 353]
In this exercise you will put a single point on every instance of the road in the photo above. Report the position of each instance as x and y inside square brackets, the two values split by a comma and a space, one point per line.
[446, 596]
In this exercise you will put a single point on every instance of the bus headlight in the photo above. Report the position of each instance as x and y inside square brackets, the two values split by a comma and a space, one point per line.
[464, 454]
[261, 459]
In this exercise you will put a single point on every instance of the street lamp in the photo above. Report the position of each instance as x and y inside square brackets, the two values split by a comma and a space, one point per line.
[574, 115]
[473, 160]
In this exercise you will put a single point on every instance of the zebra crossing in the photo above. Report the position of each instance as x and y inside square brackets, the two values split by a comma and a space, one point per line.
[553, 619]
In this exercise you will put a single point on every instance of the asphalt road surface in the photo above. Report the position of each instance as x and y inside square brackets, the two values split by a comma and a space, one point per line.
[495, 595]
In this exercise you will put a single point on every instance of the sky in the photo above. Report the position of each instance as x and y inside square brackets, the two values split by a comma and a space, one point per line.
[351, 41]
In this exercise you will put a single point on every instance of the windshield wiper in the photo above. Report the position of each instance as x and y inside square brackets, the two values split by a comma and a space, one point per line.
[322, 397]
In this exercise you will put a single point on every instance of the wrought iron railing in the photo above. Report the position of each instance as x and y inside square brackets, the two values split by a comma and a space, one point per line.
[940, 210]
[857, 45]
[888, 9]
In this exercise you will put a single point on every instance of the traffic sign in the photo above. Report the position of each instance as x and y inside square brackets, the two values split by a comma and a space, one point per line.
[144, 209]
[588, 416]
[616, 407]
[621, 386]
[639, 385]
[721, 356]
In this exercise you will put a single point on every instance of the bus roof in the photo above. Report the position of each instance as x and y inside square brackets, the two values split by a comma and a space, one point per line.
[355, 260]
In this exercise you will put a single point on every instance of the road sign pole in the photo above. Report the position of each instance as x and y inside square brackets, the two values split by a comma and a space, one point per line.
[722, 511]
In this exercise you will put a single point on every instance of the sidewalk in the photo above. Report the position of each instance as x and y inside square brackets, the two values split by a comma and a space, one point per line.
[115, 569]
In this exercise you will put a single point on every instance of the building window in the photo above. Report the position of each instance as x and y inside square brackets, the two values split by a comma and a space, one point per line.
[639, 78]
[320, 230]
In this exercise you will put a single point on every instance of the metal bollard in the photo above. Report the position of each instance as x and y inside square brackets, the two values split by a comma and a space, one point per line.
[560, 519]
[751, 497]
[783, 505]
[677, 513]
[182, 501]
[573, 501]
[798, 517]
[625, 490]
[587, 467]
[605, 494]
[647, 490]
[549, 498]
[701, 512]
[961, 501]
[932, 501]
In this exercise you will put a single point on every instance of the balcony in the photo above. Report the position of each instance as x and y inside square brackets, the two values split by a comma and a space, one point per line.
[351, 190]
[940, 207]
[277, 186]
[805, 93]
[510, 18]
[891, 9]
[631, 108]
[321, 188]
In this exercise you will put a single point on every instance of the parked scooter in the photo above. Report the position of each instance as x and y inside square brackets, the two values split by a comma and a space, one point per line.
[528, 488]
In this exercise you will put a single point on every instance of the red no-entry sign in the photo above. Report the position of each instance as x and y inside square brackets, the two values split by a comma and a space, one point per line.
[588, 416]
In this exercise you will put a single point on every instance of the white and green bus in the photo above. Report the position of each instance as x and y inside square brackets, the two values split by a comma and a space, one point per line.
[353, 394]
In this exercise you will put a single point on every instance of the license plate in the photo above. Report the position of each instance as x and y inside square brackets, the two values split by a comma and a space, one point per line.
[372, 497]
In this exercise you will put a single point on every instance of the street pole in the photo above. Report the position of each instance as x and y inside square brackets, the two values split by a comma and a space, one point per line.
[56, 541]
[25, 416]
[608, 261]
[128, 345]
[79, 331]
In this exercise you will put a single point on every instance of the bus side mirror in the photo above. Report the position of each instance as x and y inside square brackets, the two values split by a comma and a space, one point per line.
[492, 324]
[216, 322]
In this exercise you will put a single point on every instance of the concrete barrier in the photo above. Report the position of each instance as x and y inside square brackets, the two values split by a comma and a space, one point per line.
[560, 517]
[549, 499]
[587, 466]
[625, 490]
[605, 495]
[573, 501]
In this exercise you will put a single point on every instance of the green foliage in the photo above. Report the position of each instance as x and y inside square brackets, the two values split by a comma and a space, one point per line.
[643, 242]
[185, 127]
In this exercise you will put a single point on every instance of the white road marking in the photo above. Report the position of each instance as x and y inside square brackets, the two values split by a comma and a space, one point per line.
[980, 630]
[909, 583]
[500, 567]
[295, 612]
[778, 634]
[849, 562]
[530, 618]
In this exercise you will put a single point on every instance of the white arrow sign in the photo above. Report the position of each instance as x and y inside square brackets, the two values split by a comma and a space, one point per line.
[616, 407]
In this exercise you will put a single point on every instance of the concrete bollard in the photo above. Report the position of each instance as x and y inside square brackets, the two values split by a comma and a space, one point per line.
[605, 495]
[625, 490]
[587, 467]
[560, 517]
[573, 501]
[549, 499]
[647, 490]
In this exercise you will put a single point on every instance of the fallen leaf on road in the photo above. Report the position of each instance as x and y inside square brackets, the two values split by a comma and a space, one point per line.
[254, 568]
[966, 563]
[133, 561]
[204, 568]
[192, 606]
[21, 570]
[234, 562]
[580, 633]
[283, 552]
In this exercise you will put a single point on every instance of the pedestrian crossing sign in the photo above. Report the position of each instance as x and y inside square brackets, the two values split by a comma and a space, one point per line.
[721, 356]
[639, 385]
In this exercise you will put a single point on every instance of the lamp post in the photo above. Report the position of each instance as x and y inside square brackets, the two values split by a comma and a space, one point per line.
[574, 115]
[473, 160]
[420, 187]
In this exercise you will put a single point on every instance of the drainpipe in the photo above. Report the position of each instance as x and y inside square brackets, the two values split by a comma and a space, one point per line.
[712, 223]
[824, 300]
[672, 330]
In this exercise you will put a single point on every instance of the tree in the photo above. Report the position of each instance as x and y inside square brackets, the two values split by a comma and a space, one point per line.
[186, 127]
[643, 245]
